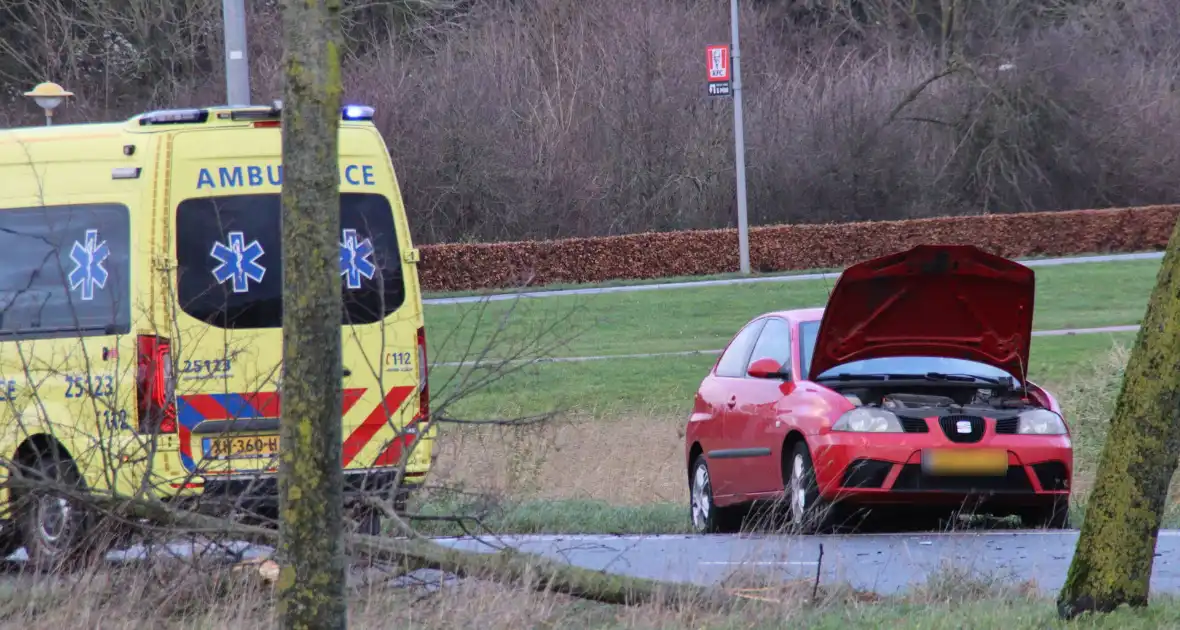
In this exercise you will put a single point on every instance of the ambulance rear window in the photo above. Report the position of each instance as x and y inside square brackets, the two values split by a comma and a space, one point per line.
[230, 273]
[64, 271]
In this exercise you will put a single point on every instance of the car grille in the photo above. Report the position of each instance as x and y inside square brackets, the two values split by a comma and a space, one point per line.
[866, 473]
[911, 479]
[1052, 475]
[1007, 426]
[914, 425]
[950, 426]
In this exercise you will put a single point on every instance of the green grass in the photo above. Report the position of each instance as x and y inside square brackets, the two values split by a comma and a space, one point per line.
[1070, 296]
[1082, 371]
[563, 516]
[988, 613]
[665, 385]
[953, 603]
[570, 516]
[705, 318]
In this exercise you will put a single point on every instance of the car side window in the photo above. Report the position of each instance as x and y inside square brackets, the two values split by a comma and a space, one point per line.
[733, 362]
[774, 343]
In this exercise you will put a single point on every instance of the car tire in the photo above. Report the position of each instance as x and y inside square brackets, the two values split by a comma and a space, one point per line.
[1052, 515]
[806, 513]
[57, 533]
[706, 517]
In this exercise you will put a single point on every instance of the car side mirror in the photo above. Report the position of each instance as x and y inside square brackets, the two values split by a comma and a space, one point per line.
[767, 368]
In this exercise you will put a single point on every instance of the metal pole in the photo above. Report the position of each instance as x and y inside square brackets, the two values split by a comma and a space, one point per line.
[739, 142]
[237, 62]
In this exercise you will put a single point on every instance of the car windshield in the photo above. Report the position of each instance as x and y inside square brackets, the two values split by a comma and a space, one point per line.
[893, 365]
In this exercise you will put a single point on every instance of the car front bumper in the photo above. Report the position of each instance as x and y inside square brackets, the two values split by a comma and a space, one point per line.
[887, 468]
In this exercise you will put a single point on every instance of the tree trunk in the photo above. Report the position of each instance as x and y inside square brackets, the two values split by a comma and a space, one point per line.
[311, 585]
[1113, 560]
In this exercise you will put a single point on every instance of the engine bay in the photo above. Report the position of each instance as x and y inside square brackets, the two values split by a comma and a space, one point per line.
[937, 400]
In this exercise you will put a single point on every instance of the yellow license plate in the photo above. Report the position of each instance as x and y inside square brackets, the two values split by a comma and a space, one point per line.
[965, 462]
[245, 447]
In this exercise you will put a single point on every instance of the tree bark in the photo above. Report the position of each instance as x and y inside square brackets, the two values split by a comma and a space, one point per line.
[311, 584]
[1113, 560]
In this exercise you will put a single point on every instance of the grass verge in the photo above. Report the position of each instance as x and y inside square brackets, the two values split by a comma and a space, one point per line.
[665, 385]
[704, 318]
[178, 595]
[624, 474]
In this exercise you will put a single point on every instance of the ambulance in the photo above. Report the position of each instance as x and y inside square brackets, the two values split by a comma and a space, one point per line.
[141, 320]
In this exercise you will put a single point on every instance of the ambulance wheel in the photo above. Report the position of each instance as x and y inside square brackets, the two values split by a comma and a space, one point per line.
[10, 540]
[55, 529]
[368, 521]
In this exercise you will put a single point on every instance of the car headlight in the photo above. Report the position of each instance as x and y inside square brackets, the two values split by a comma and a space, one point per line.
[1040, 422]
[868, 420]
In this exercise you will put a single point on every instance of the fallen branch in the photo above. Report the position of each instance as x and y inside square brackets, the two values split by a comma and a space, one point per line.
[505, 566]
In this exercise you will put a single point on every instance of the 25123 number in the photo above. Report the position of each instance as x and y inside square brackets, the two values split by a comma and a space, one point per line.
[96, 386]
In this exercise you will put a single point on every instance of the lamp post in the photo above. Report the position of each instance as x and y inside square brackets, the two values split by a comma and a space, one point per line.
[739, 143]
[237, 62]
[48, 97]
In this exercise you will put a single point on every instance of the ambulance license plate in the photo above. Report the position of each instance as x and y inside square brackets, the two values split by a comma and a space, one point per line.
[246, 447]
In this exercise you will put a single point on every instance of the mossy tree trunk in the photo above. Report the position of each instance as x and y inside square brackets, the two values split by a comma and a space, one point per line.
[1113, 560]
[311, 584]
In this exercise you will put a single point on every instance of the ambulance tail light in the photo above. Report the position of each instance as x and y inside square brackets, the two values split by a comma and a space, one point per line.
[423, 382]
[155, 385]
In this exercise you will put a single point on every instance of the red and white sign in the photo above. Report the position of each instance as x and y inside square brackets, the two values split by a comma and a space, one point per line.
[717, 58]
[718, 62]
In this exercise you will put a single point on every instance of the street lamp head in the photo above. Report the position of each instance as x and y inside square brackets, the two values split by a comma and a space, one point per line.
[48, 96]
[48, 102]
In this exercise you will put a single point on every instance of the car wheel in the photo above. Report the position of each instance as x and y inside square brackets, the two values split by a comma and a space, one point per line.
[55, 530]
[1052, 515]
[707, 516]
[806, 511]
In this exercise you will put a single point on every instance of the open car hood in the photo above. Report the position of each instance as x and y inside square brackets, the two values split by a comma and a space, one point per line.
[933, 300]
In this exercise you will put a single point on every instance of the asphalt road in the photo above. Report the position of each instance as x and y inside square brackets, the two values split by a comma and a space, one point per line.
[886, 564]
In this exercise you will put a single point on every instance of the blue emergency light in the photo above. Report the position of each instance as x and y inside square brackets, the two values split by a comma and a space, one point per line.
[179, 116]
[174, 116]
[358, 112]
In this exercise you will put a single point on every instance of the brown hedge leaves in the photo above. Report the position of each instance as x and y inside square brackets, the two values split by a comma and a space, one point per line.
[459, 267]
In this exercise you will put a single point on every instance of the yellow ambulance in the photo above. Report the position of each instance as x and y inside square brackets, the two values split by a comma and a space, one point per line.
[140, 318]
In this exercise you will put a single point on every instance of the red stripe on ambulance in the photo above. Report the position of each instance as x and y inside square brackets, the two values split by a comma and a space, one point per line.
[376, 419]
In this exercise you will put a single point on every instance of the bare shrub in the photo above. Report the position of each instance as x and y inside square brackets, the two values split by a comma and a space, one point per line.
[590, 120]
[534, 119]
[951, 583]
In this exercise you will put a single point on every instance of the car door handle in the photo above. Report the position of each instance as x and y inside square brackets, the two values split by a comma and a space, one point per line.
[732, 402]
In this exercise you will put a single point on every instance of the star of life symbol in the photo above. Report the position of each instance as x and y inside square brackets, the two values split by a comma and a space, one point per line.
[89, 271]
[239, 262]
[355, 259]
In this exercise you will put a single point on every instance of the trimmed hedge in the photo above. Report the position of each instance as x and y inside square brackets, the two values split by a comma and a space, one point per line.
[461, 267]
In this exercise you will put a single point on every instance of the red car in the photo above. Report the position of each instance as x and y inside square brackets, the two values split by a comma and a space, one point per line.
[906, 397]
